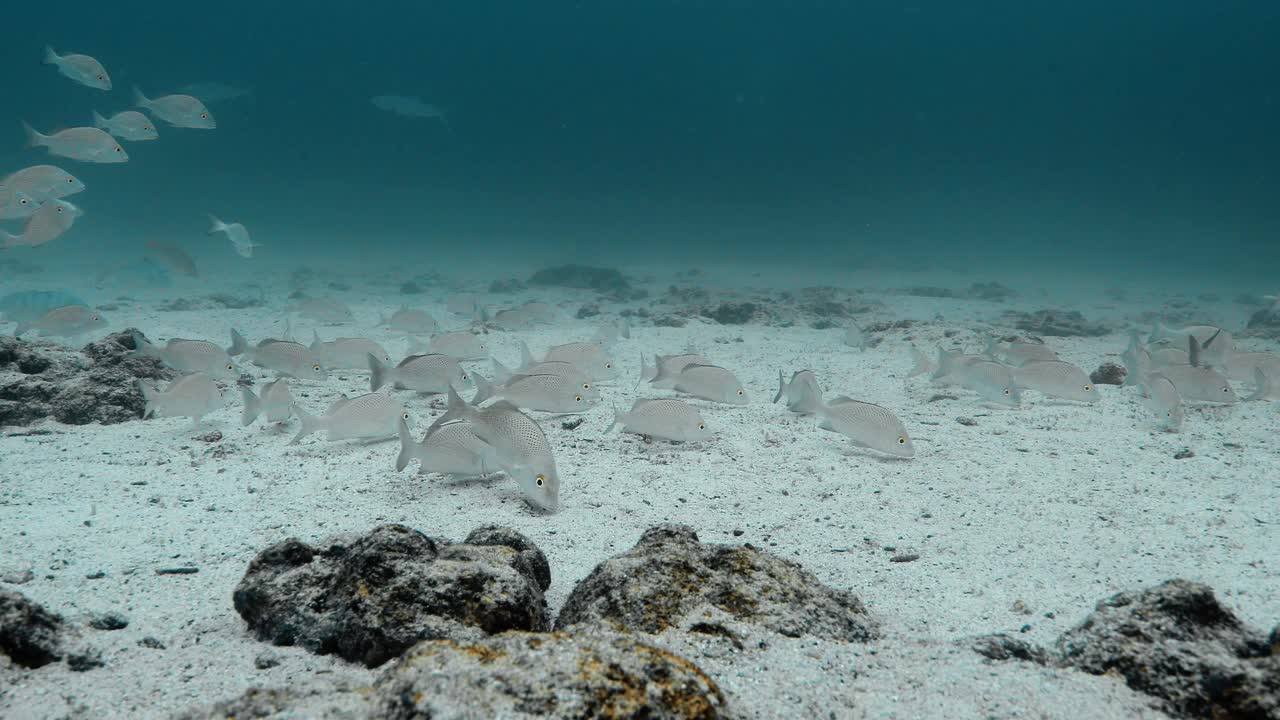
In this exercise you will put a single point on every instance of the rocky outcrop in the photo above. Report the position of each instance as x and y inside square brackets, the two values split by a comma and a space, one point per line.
[29, 634]
[670, 580]
[583, 277]
[1055, 323]
[96, 384]
[369, 598]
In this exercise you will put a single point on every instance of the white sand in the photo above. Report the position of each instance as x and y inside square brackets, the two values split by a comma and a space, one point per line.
[1055, 505]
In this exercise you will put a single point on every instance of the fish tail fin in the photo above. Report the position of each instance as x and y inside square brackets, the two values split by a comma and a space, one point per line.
[310, 424]
[782, 386]
[810, 404]
[149, 398]
[663, 371]
[34, 138]
[50, 57]
[617, 418]
[98, 121]
[526, 356]
[501, 373]
[920, 363]
[943, 365]
[377, 373]
[484, 389]
[406, 446]
[457, 408]
[141, 348]
[990, 350]
[1195, 351]
[252, 406]
[1264, 385]
[239, 345]
[139, 99]
[216, 225]
[9, 240]
[643, 369]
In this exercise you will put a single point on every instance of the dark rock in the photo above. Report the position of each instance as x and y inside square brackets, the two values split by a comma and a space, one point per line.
[583, 277]
[151, 643]
[1264, 323]
[184, 305]
[886, 325]
[1249, 299]
[733, 313]
[521, 675]
[967, 421]
[929, 291]
[338, 700]
[370, 597]
[823, 324]
[19, 575]
[511, 285]
[687, 295]
[1178, 643]
[991, 291]
[1184, 453]
[109, 621]
[29, 634]
[210, 437]
[587, 311]
[233, 302]
[573, 424]
[1055, 323]
[410, 287]
[264, 661]
[669, 321]
[1108, 373]
[84, 660]
[1004, 647]
[339, 286]
[671, 580]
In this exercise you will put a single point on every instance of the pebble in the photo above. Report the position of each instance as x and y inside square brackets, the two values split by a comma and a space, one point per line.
[109, 621]
[1183, 454]
[967, 421]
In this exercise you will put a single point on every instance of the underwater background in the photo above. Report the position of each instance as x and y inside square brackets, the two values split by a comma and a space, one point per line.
[1130, 139]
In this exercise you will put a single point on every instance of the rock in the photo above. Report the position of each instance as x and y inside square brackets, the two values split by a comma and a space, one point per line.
[29, 634]
[587, 311]
[1177, 643]
[669, 321]
[339, 700]
[1054, 323]
[20, 575]
[84, 660]
[733, 313]
[1004, 647]
[266, 660]
[233, 302]
[152, 643]
[1108, 373]
[1184, 454]
[604, 280]
[963, 420]
[109, 621]
[671, 580]
[991, 291]
[1263, 323]
[368, 598]
[557, 676]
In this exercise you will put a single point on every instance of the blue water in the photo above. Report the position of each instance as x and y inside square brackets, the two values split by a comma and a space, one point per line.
[1091, 136]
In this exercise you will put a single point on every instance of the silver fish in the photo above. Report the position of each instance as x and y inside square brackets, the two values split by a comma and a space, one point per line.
[1019, 353]
[1198, 382]
[450, 449]
[609, 334]
[953, 362]
[802, 392]
[673, 365]
[1241, 366]
[1136, 359]
[568, 371]
[547, 393]
[16, 205]
[193, 396]
[855, 338]
[83, 69]
[1056, 378]
[431, 373]
[67, 321]
[993, 381]
[587, 357]
[283, 356]
[86, 144]
[521, 448]
[411, 321]
[324, 310]
[172, 257]
[1267, 384]
[463, 345]
[466, 305]
[48, 223]
[921, 364]
[541, 312]
[347, 353]
[188, 356]
[867, 425]
[665, 418]
[178, 110]
[709, 382]
[236, 233]
[1215, 343]
[275, 402]
[512, 319]
[1163, 401]
[372, 415]
[43, 182]
[128, 125]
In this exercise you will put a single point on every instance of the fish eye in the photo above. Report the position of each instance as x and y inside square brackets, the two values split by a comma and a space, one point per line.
[94, 318]
[608, 366]
[316, 368]
[540, 480]
[1226, 389]
[405, 414]
[465, 376]
[71, 180]
[24, 201]
[586, 386]
[204, 116]
[740, 391]
[577, 398]
[59, 208]
[1007, 391]
[1088, 388]
[230, 366]
[702, 426]
[119, 149]
[902, 439]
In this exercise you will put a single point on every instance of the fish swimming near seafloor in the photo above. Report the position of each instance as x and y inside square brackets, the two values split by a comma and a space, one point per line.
[274, 402]
[709, 382]
[128, 125]
[347, 353]
[68, 321]
[802, 392]
[86, 144]
[42, 182]
[430, 373]
[236, 233]
[31, 304]
[82, 68]
[1056, 378]
[188, 356]
[590, 358]
[866, 425]
[546, 393]
[372, 415]
[48, 223]
[1197, 382]
[666, 418]
[193, 396]
[283, 356]
[172, 257]
[410, 321]
[451, 449]
[1163, 401]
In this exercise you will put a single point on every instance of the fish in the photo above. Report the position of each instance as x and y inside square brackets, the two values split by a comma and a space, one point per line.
[673, 364]
[32, 304]
[67, 321]
[43, 182]
[236, 233]
[1198, 382]
[587, 357]
[1267, 384]
[409, 320]
[431, 373]
[569, 371]
[1240, 366]
[213, 92]
[16, 205]
[1215, 343]
[511, 319]
[462, 345]
[463, 305]
[992, 380]
[48, 223]
[1136, 359]
[709, 382]
[178, 110]
[1018, 354]
[921, 364]
[866, 425]
[188, 356]
[86, 144]
[83, 69]
[1163, 401]
[949, 363]
[802, 392]
[347, 353]
[609, 333]
[408, 106]
[1056, 378]
[193, 396]
[324, 310]
[666, 418]
[541, 312]
[283, 356]
[172, 257]
[275, 402]
[128, 125]
[547, 393]
[855, 338]
[451, 449]
[372, 415]
[520, 447]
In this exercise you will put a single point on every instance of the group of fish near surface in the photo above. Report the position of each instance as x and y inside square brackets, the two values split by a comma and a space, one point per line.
[35, 194]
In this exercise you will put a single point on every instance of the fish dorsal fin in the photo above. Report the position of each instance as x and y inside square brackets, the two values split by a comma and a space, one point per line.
[694, 366]
[503, 405]
[1194, 350]
[843, 400]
